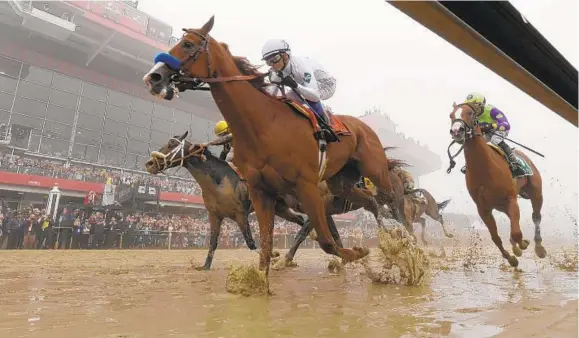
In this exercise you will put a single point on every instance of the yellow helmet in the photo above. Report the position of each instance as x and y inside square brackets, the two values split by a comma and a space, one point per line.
[476, 98]
[221, 128]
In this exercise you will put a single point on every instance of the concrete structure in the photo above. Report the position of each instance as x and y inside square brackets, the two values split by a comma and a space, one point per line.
[422, 160]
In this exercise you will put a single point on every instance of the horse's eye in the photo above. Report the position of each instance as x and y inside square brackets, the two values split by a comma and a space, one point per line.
[187, 45]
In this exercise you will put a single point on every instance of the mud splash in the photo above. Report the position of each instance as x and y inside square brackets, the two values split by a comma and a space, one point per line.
[246, 280]
[402, 261]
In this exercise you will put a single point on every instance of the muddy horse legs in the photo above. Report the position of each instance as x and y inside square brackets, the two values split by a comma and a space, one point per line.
[313, 205]
[303, 234]
[516, 239]
[489, 220]
[215, 223]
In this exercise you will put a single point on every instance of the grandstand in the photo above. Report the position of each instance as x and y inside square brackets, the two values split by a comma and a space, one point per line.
[73, 108]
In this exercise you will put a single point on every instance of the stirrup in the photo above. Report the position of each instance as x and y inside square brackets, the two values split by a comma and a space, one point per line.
[326, 134]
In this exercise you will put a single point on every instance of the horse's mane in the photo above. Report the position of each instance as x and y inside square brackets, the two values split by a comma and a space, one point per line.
[247, 68]
[393, 162]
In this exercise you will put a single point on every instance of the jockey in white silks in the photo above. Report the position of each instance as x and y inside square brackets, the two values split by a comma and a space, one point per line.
[303, 75]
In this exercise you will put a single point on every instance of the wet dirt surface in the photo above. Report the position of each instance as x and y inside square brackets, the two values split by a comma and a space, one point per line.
[158, 294]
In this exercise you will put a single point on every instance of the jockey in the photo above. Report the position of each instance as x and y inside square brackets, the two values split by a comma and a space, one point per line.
[492, 119]
[225, 138]
[408, 183]
[304, 75]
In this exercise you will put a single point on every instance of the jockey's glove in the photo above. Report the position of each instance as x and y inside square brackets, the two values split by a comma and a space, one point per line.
[290, 82]
[485, 128]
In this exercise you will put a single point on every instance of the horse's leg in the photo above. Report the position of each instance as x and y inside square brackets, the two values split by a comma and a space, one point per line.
[516, 239]
[215, 222]
[489, 220]
[441, 221]
[537, 203]
[282, 210]
[245, 228]
[313, 205]
[264, 206]
[422, 221]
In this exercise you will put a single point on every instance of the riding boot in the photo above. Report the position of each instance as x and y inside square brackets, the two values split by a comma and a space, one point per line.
[329, 134]
[512, 158]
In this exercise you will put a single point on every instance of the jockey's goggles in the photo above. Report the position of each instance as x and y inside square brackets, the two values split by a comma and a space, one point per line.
[273, 60]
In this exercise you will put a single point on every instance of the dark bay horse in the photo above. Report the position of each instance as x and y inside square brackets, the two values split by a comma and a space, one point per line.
[491, 185]
[224, 194]
[275, 148]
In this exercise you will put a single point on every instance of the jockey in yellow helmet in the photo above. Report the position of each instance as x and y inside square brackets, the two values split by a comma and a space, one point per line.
[494, 125]
[225, 138]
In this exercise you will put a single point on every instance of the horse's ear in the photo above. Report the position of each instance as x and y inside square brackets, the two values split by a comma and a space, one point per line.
[182, 137]
[208, 25]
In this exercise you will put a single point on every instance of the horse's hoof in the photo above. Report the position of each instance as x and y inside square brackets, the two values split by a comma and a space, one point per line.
[525, 244]
[513, 261]
[275, 254]
[517, 251]
[280, 264]
[362, 252]
[540, 251]
[449, 235]
[201, 268]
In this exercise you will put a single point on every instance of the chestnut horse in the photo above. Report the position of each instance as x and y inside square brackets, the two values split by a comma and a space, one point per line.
[491, 185]
[275, 148]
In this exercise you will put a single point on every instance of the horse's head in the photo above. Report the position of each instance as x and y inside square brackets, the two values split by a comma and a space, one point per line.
[465, 125]
[174, 154]
[189, 59]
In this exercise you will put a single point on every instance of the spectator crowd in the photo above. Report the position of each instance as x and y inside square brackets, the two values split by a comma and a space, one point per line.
[88, 173]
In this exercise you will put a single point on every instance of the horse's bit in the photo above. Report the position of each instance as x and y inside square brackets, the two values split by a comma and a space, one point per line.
[469, 132]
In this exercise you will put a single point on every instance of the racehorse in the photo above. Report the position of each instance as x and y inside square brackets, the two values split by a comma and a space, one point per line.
[225, 193]
[275, 148]
[491, 185]
[414, 211]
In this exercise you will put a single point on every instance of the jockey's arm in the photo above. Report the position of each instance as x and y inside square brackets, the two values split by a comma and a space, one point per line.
[309, 90]
[500, 120]
[222, 140]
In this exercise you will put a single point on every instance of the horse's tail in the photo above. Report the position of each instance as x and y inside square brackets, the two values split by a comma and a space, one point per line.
[442, 205]
[393, 162]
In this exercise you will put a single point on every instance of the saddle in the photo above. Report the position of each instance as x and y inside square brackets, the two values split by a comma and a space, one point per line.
[522, 170]
[335, 123]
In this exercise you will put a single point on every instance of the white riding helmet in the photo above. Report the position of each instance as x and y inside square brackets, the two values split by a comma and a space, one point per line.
[274, 46]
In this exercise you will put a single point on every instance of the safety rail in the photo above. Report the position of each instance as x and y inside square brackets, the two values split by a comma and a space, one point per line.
[76, 238]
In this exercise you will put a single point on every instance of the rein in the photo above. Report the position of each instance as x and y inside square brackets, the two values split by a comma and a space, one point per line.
[184, 73]
[469, 133]
[169, 158]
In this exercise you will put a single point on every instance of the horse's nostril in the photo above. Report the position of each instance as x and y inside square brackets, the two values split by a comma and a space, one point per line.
[155, 78]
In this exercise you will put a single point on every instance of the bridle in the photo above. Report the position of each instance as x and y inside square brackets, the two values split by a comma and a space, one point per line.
[468, 133]
[184, 75]
[166, 161]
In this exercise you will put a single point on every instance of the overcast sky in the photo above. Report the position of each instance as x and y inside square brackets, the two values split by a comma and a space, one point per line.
[382, 58]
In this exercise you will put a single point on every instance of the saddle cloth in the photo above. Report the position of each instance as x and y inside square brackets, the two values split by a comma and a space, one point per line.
[522, 170]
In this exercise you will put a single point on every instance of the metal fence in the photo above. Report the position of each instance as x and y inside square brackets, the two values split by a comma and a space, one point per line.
[63, 238]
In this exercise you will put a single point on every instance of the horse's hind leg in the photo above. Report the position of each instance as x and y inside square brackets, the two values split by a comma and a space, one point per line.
[423, 234]
[215, 222]
[537, 203]
[489, 220]
[245, 228]
[516, 239]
